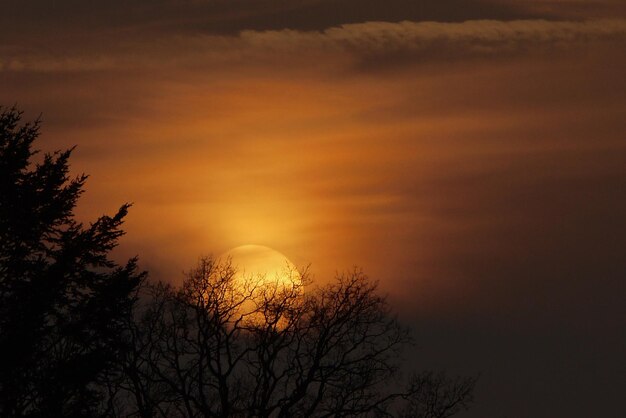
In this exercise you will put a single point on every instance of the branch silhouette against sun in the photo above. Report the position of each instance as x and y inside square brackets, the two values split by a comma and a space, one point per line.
[216, 347]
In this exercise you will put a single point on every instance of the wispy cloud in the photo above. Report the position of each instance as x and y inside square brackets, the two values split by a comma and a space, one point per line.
[478, 35]
[428, 41]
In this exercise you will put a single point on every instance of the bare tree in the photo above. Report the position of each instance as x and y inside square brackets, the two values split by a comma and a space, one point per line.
[218, 347]
[434, 395]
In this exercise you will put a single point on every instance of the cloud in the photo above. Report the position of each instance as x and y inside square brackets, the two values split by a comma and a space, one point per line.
[33, 18]
[426, 41]
[480, 36]
[568, 9]
[50, 64]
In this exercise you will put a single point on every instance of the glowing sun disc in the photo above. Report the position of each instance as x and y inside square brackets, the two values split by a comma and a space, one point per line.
[263, 265]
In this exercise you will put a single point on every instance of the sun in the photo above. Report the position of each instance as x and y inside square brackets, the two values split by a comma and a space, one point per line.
[262, 266]
[262, 262]
[264, 275]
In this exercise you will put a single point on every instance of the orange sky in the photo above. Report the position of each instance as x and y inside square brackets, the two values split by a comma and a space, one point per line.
[475, 168]
[337, 157]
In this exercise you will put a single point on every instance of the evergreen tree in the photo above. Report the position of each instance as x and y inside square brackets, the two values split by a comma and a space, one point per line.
[63, 302]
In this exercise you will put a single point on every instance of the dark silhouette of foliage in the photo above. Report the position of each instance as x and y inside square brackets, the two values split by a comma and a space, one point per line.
[217, 348]
[63, 302]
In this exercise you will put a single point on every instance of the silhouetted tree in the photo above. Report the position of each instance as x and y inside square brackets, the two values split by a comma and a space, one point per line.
[63, 302]
[217, 347]
[434, 395]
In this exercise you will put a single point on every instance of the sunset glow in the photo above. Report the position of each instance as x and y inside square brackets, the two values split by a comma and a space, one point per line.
[262, 266]
[469, 156]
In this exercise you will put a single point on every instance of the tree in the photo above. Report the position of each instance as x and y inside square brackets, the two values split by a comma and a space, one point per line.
[434, 395]
[63, 301]
[216, 347]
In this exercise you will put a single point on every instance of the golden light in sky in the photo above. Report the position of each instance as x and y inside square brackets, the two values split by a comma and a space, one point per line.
[262, 275]
[261, 266]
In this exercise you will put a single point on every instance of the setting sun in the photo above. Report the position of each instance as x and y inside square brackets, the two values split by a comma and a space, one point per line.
[262, 275]
[262, 265]
[261, 272]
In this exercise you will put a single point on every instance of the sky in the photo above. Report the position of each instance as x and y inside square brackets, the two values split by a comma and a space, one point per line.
[470, 155]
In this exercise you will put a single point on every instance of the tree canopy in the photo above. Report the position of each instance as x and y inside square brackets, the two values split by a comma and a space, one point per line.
[214, 347]
[204, 351]
[62, 299]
